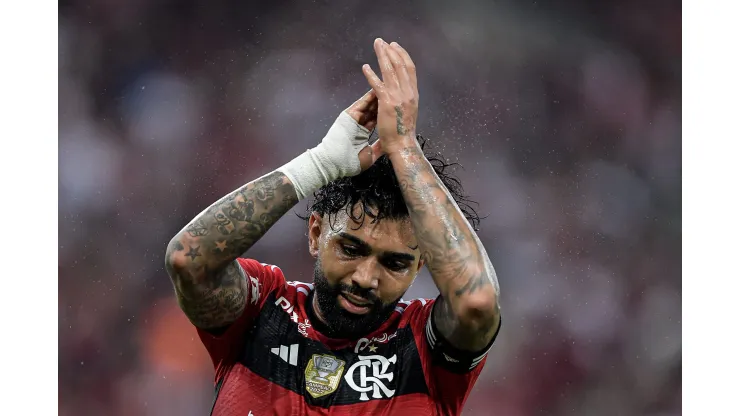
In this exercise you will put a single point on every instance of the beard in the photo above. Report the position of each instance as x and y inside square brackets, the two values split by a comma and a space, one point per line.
[341, 323]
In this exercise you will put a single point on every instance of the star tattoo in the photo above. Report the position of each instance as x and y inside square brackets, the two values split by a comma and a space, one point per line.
[193, 253]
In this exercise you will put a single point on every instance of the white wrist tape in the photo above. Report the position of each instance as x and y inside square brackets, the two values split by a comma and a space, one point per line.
[335, 157]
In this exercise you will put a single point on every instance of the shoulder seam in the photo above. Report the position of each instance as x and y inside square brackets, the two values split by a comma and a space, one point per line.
[402, 305]
[301, 287]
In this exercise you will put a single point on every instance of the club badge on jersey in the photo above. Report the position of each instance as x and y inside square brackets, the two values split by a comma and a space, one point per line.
[380, 371]
[323, 374]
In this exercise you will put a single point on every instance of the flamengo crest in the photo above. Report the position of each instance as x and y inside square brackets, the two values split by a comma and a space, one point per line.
[371, 373]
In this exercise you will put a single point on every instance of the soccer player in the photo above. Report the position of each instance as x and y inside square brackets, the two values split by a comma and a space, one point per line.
[346, 344]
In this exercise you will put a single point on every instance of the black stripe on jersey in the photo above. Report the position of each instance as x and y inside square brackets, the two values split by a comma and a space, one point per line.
[445, 355]
[275, 328]
[218, 390]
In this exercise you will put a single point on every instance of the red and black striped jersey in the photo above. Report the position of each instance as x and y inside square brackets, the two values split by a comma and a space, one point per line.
[272, 361]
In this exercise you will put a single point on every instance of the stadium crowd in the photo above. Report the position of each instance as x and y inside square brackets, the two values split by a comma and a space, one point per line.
[566, 118]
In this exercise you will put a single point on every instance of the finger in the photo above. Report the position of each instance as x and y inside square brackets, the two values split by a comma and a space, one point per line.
[410, 66]
[371, 122]
[377, 150]
[360, 106]
[395, 56]
[366, 157]
[358, 110]
[375, 83]
[386, 67]
[364, 109]
[366, 100]
[373, 107]
[399, 65]
[370, 154]
[369, 117]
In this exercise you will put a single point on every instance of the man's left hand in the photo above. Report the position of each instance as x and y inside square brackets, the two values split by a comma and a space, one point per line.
[398, 96]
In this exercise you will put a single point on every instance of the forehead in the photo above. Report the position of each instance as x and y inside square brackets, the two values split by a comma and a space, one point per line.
[387, 234]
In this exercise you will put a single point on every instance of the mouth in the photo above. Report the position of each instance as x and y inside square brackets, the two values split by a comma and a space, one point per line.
[354, 304]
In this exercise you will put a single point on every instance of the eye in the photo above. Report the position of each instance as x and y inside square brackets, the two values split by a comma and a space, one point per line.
[396, 266]
[350, 251]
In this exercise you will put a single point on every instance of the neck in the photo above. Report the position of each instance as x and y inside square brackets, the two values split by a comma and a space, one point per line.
[318, 320]
[316, 309]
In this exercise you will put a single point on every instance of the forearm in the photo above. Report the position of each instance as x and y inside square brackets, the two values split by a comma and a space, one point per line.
[229, 227]
[232, 225]
[450, 248]
[210, 284]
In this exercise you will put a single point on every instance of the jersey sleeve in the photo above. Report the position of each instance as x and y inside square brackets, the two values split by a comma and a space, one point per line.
[450, 372]
[224, 347]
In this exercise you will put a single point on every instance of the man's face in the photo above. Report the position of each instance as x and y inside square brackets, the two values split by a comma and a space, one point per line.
[361, 271]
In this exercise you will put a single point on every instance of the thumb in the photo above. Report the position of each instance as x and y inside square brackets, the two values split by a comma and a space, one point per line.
[359, 109]
[377, 150]
[366, 158]
[369, 155]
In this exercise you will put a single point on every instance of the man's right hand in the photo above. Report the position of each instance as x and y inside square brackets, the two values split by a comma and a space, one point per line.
[365, 110]
[365, 113]
[201, 259]
[344, 151]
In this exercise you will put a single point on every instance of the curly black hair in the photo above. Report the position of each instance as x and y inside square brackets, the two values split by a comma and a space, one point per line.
[378, 188]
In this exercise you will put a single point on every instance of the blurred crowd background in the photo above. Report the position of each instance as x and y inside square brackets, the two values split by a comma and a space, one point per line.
[566, 116]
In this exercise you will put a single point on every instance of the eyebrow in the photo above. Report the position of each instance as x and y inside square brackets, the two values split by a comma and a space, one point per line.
[365, 246]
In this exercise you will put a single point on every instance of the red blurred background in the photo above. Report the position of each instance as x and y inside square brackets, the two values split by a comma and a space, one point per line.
[566, 116]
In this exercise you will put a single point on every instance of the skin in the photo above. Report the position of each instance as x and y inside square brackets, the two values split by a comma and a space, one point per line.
[381, 258]
[210, 285]
[468, 313]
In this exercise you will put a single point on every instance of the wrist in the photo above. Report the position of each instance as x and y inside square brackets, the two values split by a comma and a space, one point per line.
[404, 146]
[339, 151]
[335, 157]
[305, 173]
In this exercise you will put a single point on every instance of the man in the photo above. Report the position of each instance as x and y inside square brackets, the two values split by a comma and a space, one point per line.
[346, 344]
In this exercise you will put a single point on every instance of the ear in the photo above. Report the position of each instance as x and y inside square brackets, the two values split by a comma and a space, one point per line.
[314, 233]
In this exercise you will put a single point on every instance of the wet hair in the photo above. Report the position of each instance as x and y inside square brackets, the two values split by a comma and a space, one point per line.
[377, 188]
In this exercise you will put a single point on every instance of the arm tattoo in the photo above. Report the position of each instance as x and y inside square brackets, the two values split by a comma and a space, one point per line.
[454, 255]
[461, 336]
[400, 128]
[201, 258]
[218, 302]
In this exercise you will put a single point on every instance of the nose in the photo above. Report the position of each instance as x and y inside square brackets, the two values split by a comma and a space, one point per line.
[366, 274]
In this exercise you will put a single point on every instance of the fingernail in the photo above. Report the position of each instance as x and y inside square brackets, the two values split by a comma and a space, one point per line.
[394, 44]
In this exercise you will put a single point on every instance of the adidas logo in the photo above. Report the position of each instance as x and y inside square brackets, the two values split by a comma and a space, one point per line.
[288, 354]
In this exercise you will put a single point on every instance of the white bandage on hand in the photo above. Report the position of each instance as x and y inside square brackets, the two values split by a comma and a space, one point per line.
[337, 156]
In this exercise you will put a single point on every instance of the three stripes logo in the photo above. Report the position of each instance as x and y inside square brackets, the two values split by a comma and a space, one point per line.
[289, 354]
